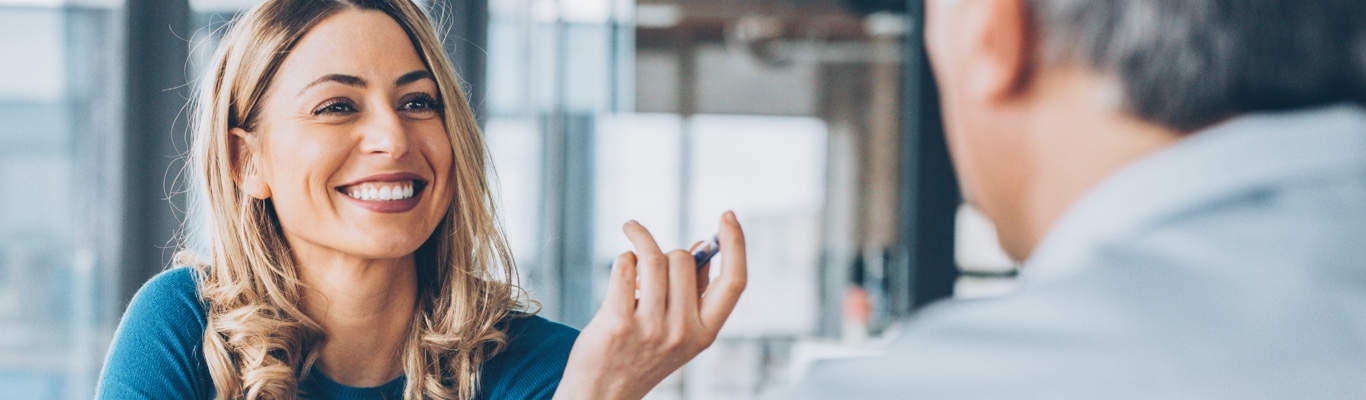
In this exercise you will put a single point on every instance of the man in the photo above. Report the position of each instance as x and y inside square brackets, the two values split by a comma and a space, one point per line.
[1185, 181]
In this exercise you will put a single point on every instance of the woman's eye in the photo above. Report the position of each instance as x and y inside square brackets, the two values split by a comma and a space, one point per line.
[334, 107]
[420, 103]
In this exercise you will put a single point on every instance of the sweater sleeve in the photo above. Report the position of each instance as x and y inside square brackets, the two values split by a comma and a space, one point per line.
[157, 351]
[532, 364]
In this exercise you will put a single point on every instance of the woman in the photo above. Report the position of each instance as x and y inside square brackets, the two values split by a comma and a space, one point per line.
[355, 250]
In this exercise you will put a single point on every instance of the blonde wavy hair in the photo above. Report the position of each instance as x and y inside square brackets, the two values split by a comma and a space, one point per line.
[258, 342]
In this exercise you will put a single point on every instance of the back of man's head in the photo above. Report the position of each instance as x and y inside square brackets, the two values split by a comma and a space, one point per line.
[1185, 64]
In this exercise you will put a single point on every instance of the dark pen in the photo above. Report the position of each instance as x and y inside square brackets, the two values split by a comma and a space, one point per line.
[706, 251]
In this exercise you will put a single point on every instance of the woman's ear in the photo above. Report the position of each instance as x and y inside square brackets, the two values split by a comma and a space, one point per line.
[246, 171]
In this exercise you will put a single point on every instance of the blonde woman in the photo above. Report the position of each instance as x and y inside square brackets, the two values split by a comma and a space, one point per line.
[355, 252]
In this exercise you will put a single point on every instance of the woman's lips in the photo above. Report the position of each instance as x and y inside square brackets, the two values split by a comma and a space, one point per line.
[385, 195]
[381, 191]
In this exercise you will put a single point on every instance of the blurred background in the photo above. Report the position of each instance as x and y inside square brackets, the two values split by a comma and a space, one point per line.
[815, 120]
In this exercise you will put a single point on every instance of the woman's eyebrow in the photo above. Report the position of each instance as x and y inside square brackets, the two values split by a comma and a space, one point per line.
[348, 80]
[413, 77]
[352, 80]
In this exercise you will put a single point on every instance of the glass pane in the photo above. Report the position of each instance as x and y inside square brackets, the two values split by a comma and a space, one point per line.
[55, 152]
[637, 177]
[517, 79]
[202, 6]
[515, 145]
[507, 60]
[771, 171]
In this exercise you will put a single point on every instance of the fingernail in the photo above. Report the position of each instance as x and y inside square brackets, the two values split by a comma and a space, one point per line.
[632, 222]
[730, 216]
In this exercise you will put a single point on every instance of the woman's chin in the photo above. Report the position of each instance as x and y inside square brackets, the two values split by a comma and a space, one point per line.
[381, 250]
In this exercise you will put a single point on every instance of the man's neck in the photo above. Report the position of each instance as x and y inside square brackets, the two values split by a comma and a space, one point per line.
[365, 308]
[1081, 136]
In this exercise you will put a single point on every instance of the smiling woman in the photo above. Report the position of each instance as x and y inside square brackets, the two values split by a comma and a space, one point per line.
[355, 251]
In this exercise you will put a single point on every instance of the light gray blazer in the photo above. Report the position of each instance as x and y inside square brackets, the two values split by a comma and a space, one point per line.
[1231, 265]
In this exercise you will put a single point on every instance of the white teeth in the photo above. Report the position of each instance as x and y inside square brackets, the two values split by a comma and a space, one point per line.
[381, 193]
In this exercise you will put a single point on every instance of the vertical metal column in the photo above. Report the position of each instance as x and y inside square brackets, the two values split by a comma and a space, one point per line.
[924, 267]
[576, 265]
[842, 205]
[687, 108]
[155, 137]
[567, 228]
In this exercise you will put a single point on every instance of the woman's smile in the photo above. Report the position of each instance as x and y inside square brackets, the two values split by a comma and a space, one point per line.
[352, 148]
[387, 193]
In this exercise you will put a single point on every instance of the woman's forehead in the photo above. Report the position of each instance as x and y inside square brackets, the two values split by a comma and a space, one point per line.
[362, 43]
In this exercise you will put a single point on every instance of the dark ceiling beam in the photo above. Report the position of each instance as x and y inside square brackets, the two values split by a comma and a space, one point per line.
[834, 26]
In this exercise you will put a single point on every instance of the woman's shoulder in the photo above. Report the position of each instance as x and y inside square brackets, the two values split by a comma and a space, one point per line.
[175, 284]
[531, 364]
[157, 348]
[532, 339]
[530, 329]
[172, 296]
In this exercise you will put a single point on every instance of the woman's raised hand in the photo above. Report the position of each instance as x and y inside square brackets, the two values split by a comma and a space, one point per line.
[632, 344]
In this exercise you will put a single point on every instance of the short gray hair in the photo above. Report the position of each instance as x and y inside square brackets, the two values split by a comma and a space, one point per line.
[1186, 64]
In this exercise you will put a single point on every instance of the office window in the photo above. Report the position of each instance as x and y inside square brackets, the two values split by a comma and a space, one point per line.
[771, 171]
[514, 145]
[58, 139]
[637, 177]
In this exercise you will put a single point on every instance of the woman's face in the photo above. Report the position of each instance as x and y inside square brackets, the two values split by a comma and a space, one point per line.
[350, 144]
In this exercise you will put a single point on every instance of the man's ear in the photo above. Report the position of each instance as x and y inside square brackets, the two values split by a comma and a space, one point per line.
[1002, 40]
[246, 171]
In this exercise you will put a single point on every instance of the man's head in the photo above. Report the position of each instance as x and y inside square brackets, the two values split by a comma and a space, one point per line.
[1044, 98]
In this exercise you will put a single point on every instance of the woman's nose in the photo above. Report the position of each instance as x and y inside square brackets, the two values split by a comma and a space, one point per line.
[384, 133]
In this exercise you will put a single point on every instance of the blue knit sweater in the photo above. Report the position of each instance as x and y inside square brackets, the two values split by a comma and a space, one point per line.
[157, 353]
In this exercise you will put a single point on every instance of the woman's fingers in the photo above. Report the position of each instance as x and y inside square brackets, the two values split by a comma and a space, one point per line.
[651, 270]
[703, 278]
[641, 239]
[665, 281]
[682, 284]
[720, 297]
[703, 272]
[666, 328]
[621, 286]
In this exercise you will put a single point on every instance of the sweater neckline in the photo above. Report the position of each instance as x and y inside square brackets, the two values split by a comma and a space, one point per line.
[320, 386]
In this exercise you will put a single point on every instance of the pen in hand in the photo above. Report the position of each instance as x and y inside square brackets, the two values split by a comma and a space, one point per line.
[706, 251]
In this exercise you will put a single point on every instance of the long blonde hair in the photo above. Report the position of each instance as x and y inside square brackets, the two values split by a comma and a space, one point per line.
[258, 343]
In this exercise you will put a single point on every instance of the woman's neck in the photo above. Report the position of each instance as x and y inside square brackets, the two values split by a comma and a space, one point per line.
[365, 308]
